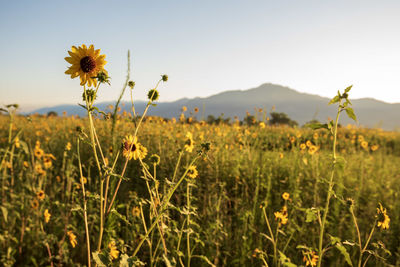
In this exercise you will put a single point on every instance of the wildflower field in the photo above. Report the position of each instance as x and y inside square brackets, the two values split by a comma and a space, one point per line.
[125, 189]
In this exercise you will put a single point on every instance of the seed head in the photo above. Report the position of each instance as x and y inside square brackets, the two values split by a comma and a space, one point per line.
[102, 77]
[153, 95]
[90, 94]
[131, 84]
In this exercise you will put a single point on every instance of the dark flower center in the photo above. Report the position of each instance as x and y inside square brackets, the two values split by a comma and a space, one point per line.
[87, 64]
[127, 146]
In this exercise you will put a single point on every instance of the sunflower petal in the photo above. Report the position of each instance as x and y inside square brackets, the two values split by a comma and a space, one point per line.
[71, 60]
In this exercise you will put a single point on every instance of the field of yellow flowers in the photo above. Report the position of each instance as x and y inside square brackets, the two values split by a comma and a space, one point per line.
[126, 189]
[249, 174]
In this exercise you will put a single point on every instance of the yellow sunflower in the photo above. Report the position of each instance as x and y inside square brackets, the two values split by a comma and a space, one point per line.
[133, 149]
[192, 172]
[282, 216]
[86, 63]
[189, 144]
[41, 195]
[310, 258]
[72, 238]
[47, 216]
[114, 253]
[286, 196]
[383, 218]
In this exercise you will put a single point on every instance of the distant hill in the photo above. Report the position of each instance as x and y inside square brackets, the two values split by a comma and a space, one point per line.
[301, 107]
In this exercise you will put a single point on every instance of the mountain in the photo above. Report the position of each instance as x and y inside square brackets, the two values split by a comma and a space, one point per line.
[301, 107]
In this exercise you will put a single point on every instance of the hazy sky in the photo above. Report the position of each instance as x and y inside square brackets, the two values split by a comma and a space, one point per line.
[205, 47]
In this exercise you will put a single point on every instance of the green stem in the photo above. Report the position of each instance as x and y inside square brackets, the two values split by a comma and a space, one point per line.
[84, 206]
[188, 224]
[330, 188]
[92, 139]
[163, 208]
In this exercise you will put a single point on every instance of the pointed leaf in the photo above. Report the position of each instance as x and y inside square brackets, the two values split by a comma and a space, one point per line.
[344, 252]
[5, 213]
[348, 89]
[350, 113]
[317, 125]
[100, 259]
[334, 100]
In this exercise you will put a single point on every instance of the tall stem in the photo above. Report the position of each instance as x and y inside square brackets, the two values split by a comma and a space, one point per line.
[84, 207]
[93, 142]
[188, 224]
[330, 187]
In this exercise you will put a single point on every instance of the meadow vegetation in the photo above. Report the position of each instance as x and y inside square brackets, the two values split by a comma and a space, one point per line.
[125, 189]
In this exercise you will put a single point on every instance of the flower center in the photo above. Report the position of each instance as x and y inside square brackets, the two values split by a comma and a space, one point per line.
[87, 64]
[127, 146]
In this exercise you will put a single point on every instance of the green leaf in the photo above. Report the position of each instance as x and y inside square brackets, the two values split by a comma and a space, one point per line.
[334, 100]
[24, 147]
[303, 247]
[166, 261]
[120, 216]
[317, 125]
[205, 259]
[83, 106]
[348, 89]
[100, 259]
[344, 252]
[350, 113]
[334, 240]
[5, 213]
[285, 260]
[127, 261]
[311, 215]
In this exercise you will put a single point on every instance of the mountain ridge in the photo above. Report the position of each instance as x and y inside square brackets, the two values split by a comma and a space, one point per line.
[299, 106]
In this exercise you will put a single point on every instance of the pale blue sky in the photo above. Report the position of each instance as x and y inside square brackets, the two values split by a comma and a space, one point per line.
[205, 47]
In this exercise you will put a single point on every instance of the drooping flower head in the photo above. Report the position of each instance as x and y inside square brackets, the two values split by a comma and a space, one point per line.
[310, 258]
[87, 63]
[282, 216]
[383, 218]
[72, 238]
[47, 216]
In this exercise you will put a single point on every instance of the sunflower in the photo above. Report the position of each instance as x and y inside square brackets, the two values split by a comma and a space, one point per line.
[311, 258]
[383, 218]
[133, 149]
[38, 152]
[189, 144]
[282, 216]
[41, 195]
[136, 211]
[192, 172]
[47, 216]
[114, 253]
[312, 149]
[72, 238]
[364, 144]
[68, 146]
[87, 63]
[34, 203]
[374, 147]
[285, 196]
